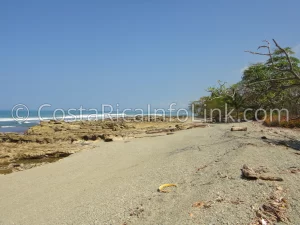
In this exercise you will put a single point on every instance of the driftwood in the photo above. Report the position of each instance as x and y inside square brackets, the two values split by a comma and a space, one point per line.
[165, 130]
[294, 169]
[250, 173]
[238, 128]
[202, 167]
[177, 127]
[271, 178]
[274, 210]
[197, 125]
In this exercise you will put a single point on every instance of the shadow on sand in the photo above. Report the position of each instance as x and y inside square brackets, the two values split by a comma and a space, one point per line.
[294, 144]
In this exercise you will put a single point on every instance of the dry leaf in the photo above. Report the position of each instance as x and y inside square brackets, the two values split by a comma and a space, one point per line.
[199, 204]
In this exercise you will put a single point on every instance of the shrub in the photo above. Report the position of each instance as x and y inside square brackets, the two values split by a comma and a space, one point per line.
[282, 122]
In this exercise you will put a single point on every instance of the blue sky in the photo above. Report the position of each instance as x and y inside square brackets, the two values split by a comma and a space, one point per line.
[73, 53]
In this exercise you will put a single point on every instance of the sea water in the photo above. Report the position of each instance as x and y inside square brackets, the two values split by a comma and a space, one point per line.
[9, 122]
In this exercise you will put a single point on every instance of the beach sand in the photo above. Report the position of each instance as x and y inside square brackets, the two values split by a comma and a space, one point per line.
[116, 182]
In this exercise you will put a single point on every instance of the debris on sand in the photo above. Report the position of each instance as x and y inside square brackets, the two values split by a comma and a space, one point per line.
[191, 214]
[294, 169]
[201, 204]
[252, 174]
[263, 222]
[237, 201]
[238, 128]
[274, 210]
[198, 204]
[137, 211]
[219, 199]
[249, 173]
[163, 186]
[200, 168]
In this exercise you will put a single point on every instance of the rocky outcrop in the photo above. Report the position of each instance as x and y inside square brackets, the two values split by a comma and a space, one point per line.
[56, 139]
[55, 131]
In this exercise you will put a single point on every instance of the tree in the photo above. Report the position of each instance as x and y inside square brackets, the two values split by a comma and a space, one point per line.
[208, 107]
[272, 84]
[281, 69]
[258, 92]
[275, 83]
[197, 107]
[232, 95]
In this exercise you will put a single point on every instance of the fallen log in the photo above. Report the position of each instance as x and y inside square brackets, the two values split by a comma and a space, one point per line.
[271, 178]
[164, 130]
[238, 128]
[177, 127]
[197, 125]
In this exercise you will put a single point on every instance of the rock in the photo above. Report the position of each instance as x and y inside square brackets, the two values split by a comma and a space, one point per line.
[88, 137]
[248, 172]
[13, 165]
[116, 128]
[107, 137]
[139, 118]
[179, 127]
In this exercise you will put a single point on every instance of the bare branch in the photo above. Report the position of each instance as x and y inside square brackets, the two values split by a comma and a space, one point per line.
[269, 50]
[262, 46]
[291, 69]
[290, 86]
[222, 91]
[270, 80]
[258, 53]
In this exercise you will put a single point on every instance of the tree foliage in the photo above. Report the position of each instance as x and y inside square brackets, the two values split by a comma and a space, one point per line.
[269, 84]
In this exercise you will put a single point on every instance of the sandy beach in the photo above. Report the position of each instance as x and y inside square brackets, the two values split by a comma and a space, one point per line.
[149, 113]
[116, 182]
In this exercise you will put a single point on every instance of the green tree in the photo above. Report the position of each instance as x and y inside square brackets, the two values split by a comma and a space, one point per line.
[233, 96]
[281, 70]
[275, 83]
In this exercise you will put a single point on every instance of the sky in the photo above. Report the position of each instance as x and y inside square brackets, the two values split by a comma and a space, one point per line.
[71, 53]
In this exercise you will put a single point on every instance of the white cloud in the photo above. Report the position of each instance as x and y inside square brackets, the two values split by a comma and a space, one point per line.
[296, 49]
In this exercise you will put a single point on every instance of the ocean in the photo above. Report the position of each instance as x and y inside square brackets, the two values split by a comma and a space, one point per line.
[20, 121]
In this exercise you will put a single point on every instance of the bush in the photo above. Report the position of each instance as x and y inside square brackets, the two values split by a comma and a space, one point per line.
[282, 122]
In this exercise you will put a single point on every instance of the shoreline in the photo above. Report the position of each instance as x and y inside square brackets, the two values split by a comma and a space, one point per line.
[13, 129]
[52, 140]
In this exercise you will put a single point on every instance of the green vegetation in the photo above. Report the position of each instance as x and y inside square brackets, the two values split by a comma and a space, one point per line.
[273, 84]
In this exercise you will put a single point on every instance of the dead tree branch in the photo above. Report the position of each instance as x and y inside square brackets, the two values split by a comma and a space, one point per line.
[290, 68]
